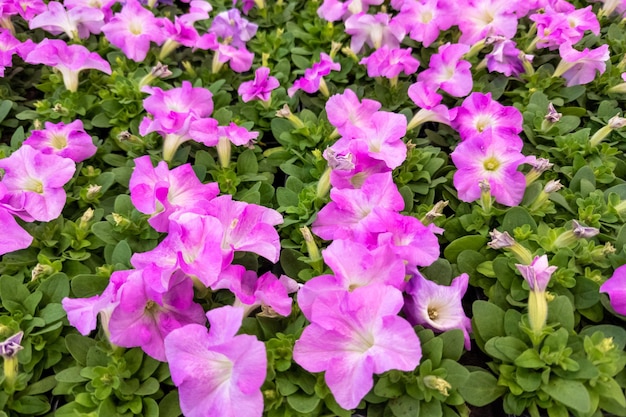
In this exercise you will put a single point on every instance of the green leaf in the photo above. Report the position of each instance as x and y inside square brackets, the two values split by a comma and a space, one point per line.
[481, 388]
[303, 403]
[471, 242]
[247, 163]
[505, 348]
[85, 285]
[453, 344]
[30, 405]
[55, 288]
[43, 385]
[572, 394]
[488, 320]
[5, 108]
[121, 254]
[560, 310]
[78, 346]
[150, 408]
[52, 312]
[71, 375]
[517, 217]
[169, 405]
[529, 359]
[404, 406]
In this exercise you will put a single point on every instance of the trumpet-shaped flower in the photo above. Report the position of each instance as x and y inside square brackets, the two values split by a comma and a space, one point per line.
[233, 29]
[505, 57]
[9, 46]
[580, 67]
[357, 213]
[354, 336]
[374, 30]
[218, 373]
[538, 273]
[260, 88]
[160, 192]
[480, 18]
[448, 71]
[132, 30]
[389, 63]
[492, 159]
[76, 22]
[348, 114]
[481, 115]
[438, 307]
[615, 287]
[334, 10]
[70, 60]
[34, 183]
[69, 141]
[355, 265]
[312, 78]
[144, 317]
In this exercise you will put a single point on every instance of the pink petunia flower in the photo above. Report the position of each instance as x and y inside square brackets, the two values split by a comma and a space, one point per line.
[538, 273]
[438, 307]
[69, 141]
[133, 29]
[334, 10]
[160, 192]
[492, 159]
[615, 287]
[15, 237]
[312, 79]
[354, 336]
[260, 88]
[426, 97]
[448, 71]
[374, 30]
[348, 114]
[78, 22]
[218, 373]
[34, 183]
[423, 20]
[144, 317]
[481, 115]
[70, 60]
[9, 46]
[581, 67]
[478, 19]
[389, 63]
[505, 57]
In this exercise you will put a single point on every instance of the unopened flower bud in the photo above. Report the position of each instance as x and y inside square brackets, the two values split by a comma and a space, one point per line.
[41, 270]
[83, 223]
[615, 122]
[485, 195]
[434, 212]
[581, 231]
[438, 384]
[9, 350]
[93, 191]
[505, 241]
[120, 221]
[286, 113]
[539, 166]
[323, 184]
[570, 237]
[334, 48]
[552, 116]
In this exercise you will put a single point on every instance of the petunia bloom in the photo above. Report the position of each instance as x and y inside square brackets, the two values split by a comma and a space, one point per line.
[446, 70]
[34, 183]
[70, 60]
[312, 80]
[581, 67]
[615, 287]
[78, 22]
[437, 307]
[260, 88]
[355, 336]
[69, 141]
[218, 373]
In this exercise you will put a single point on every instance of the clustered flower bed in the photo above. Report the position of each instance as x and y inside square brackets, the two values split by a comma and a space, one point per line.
[313, 208]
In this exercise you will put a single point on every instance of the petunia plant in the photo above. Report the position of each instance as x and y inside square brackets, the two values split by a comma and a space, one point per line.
[300, 208]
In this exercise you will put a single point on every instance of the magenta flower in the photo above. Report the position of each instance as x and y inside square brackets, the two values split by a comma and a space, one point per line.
[70, 60]
[492, 159]
[34, 183]
[160, 192]
[424, 20]
[437, 307]
[312, 79]
[355, 265]
[580, 67]
[133, 29]
[429, 101]
[349, 115]
[448, 71]
[355, 336]
[480, 18]
[260, 88]
[31, 8]
[381, 139]
[538, 273]
[389, 63]
[144, 317]
[556, 26]
[374, 30]
[15, 238]
[218, 373]
[334, 10]
[252, 291]
[69, 141]
[232, 28]
[357, 213]
[615, 287]
[239, 59]
[78, 22]
[505, 57]
[9, 46]
[83, 313]
[481, 115]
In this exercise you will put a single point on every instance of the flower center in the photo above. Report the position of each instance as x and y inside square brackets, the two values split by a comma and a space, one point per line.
[491, 164]
[433, 314]
[58, 141]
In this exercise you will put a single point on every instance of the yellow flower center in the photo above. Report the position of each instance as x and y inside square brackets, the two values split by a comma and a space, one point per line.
[491, 164]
